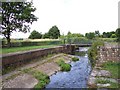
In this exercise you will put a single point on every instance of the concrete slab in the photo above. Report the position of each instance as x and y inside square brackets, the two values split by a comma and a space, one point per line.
[48, 68]
[21, 81]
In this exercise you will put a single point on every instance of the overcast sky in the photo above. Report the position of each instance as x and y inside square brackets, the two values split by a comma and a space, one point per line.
[76, 16]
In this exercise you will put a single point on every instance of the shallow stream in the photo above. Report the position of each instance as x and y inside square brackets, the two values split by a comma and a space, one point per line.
[77, 76]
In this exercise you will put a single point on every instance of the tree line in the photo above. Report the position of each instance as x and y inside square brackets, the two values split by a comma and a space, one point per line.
[112, 34]
[53, 33]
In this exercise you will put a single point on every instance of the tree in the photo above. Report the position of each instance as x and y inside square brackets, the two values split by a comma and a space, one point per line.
[108, 34]
[90, 35]
[54, 32]
[113, 36]
[46, 35]
[97, 33]
[16, 16]
[68, 33]
[35, 35]
[118, 34]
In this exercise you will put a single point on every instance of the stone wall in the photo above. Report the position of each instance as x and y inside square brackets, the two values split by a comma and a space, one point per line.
[19, 58]
[108, 54]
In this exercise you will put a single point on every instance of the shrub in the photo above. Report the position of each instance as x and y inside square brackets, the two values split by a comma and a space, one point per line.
[118, 34]
[79, 40]
[93, 51]
[75, 59]
[64, 66]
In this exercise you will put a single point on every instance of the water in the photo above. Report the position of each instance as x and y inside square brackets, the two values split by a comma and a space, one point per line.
[76, 77]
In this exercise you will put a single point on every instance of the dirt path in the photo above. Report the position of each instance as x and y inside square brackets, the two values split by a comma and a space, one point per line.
[18, 79]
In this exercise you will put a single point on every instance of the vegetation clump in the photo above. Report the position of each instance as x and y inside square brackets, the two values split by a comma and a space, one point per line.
[93, 51]
[43, 79]
[113, 68]
[102, 81]
[64, 66]
[118, 34]
[105, 81]
[75, 59]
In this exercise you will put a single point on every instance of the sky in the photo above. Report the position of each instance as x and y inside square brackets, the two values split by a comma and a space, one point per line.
[76, 16]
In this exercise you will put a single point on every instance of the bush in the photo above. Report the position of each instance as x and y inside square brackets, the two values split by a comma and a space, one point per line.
[79, 40]
[64, 66]
[118, 34]
[92, 51]
[75, 59]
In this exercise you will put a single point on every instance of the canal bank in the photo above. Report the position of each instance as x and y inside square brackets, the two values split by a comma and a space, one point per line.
[75, 78]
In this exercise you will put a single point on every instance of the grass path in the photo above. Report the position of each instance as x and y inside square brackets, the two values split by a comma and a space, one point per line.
[17, 49]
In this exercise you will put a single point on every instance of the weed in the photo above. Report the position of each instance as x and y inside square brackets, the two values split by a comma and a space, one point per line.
[112, 84]
[75, 59]
[101, 81]
[41, 77]
[64, 66]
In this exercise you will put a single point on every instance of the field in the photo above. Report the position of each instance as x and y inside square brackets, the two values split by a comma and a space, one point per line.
[29, 44]
[19, 49]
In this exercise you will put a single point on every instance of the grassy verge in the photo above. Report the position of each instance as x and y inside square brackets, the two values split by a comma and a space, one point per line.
[43, 79]
[113, 68]
[75, 59]
[27, 48]
[64, 66]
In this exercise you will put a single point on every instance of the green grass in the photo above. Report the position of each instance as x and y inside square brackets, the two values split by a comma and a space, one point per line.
[102, 81]
[64, 66]
[108, 39]
[27, 48]
[80, 53]
[113, 67]
[112, 84]
[43, 79]
[75, 59]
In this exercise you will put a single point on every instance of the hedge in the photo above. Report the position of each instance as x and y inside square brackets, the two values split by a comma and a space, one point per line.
[28, 43]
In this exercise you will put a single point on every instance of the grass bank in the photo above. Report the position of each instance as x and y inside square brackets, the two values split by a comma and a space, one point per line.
[26, 48]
